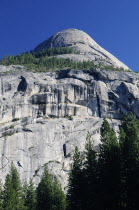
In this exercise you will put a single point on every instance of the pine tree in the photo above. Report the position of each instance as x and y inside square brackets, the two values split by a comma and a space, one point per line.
[59, 199]
[109, 169]
[49, 193]
[90, 176]
[12, 194]
[74, 194]
[44, 191]
[129, 146]
[30, 196]
[1, 196]
[25, 189]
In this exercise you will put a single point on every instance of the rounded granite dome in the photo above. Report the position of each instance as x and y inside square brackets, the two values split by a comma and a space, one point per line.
[66, 38]
[80, 41]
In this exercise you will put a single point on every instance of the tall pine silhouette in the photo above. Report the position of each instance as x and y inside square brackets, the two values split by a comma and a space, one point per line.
[108, 169]
[129, 147]
[74, 194]
[90, 176]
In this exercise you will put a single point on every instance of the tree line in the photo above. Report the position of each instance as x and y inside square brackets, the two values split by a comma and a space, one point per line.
[17, 196]
[107, 179]
[45, 60]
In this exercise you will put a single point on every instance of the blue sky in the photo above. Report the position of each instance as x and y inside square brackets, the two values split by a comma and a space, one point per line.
[114, 24]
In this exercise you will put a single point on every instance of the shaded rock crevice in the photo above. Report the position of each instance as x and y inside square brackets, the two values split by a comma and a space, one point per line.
[22, 85]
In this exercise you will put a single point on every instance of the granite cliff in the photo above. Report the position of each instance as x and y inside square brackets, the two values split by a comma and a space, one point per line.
[35, 128]
[43, 116]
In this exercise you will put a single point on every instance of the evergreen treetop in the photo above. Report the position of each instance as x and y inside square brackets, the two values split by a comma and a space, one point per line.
[12, 193]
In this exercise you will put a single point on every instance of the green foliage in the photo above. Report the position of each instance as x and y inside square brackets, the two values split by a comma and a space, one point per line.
[43, 61]
[49, 193]
[90, 176]
[108, 168]
[33, 57]
[15, 119]
[105, 132]
[52, 63]
[46, 60]
[54, 51]
[112, 68]
[12, 193]
[30, 199]
[12, 126]
[1, 196]
[94, 182]
[70, 117]
[129, 148]
[107, 180]
[74, 195]
[59, 199]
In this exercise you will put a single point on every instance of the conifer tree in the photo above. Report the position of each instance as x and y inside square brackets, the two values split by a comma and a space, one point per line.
[30, 196]
[1, 196]
[59, 198]
[12, 194]
[49, 193]
[74, 194]
[129, 147]
[90, 176]
[109, 169]
[44, 191]
[25, 189]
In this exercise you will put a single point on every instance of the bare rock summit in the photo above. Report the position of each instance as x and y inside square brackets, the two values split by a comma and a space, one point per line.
[88, 49]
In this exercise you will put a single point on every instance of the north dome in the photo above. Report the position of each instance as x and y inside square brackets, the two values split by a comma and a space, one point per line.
[66, 38]
[83, 43]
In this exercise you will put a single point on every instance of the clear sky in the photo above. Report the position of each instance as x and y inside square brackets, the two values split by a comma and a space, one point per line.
[114, 24]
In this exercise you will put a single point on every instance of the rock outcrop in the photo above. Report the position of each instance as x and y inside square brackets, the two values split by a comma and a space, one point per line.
[80, 41]
[35, 129]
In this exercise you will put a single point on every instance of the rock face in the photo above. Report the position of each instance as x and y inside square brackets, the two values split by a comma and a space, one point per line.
[34, 127]
[83, 43]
